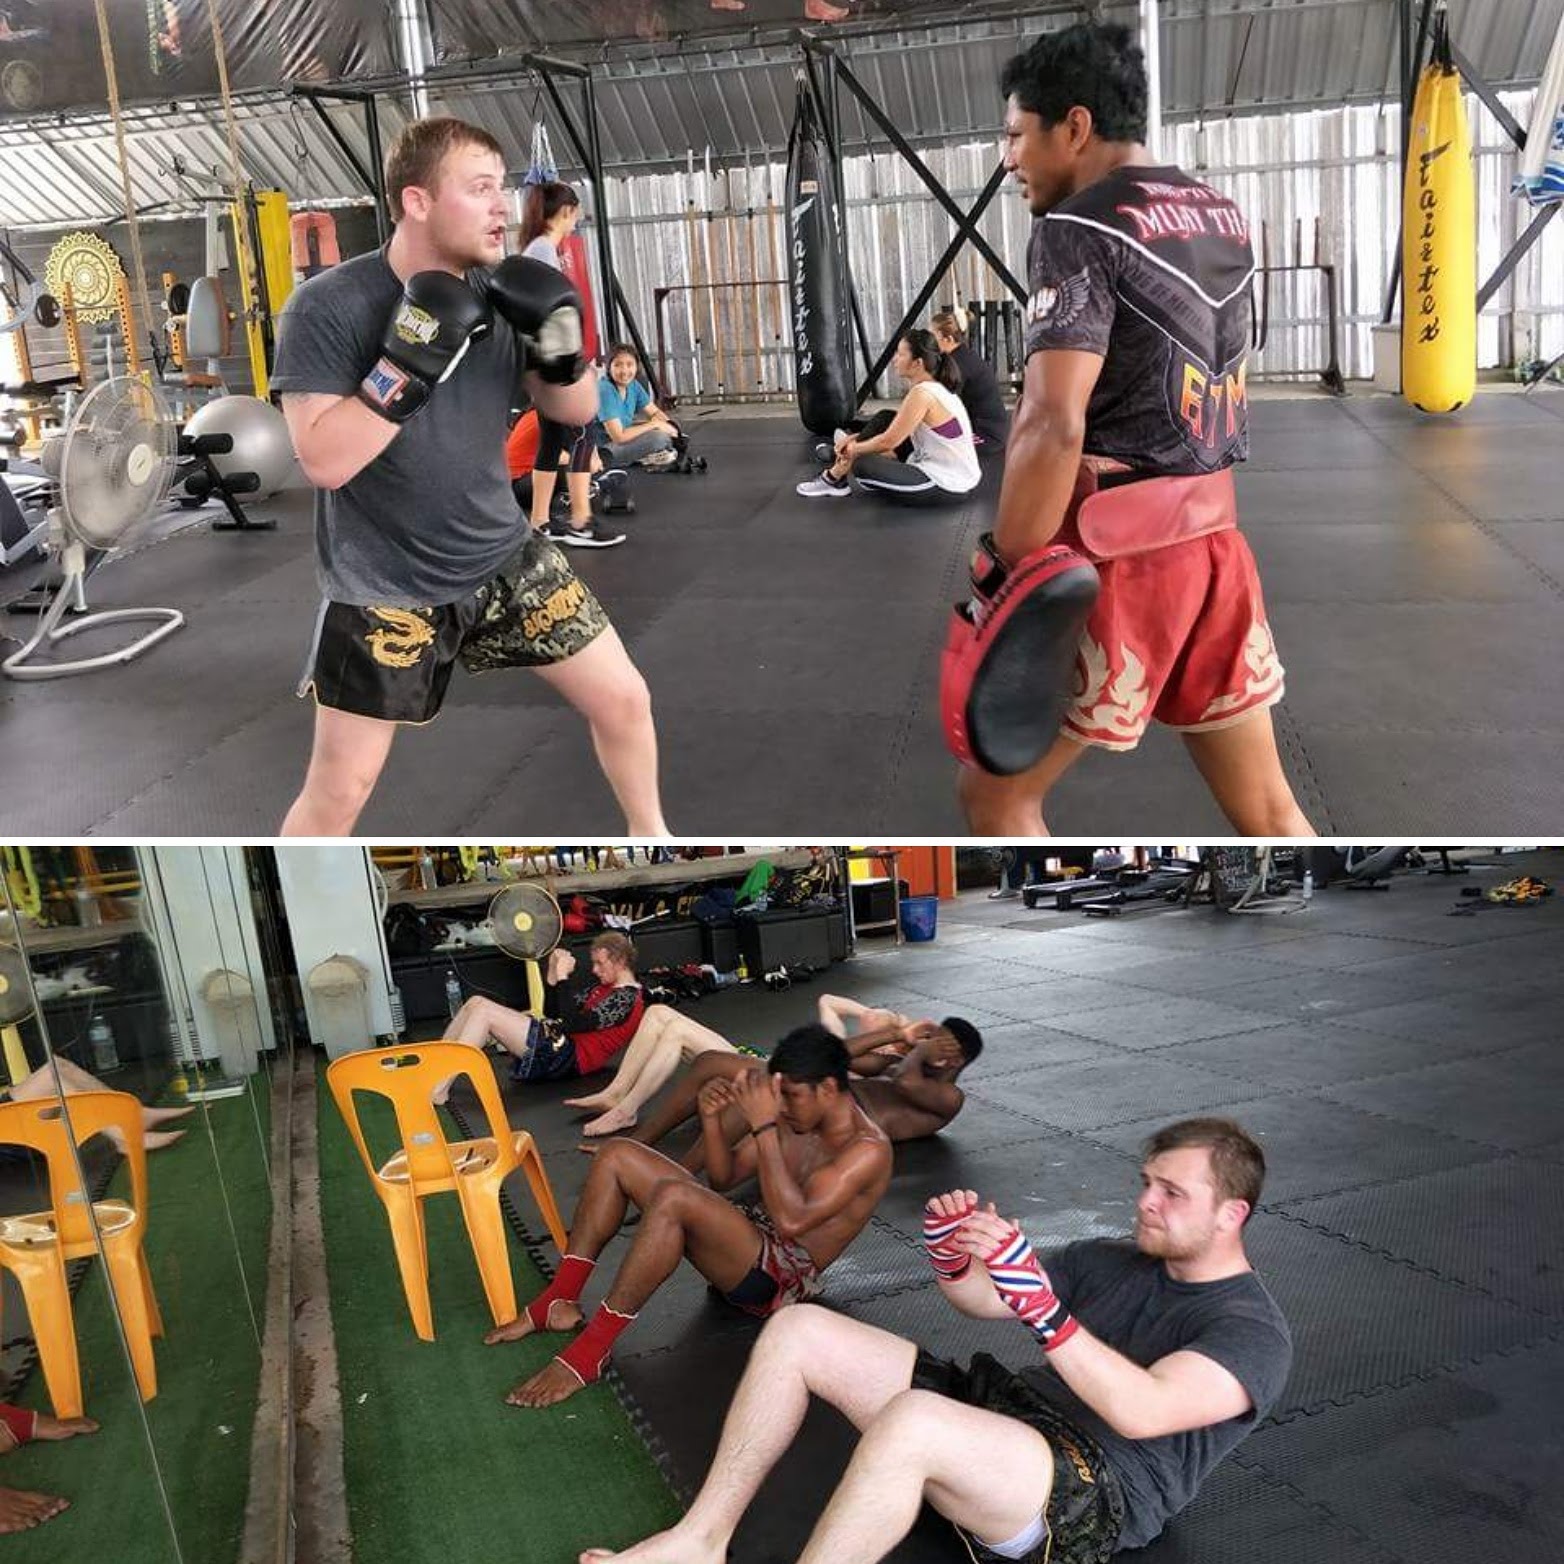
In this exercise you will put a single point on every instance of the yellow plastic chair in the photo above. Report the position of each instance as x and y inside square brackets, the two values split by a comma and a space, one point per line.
[429, 1163]
[37, 1247]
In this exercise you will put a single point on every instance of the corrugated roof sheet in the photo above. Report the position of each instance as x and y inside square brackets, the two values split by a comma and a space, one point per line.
[659, 108]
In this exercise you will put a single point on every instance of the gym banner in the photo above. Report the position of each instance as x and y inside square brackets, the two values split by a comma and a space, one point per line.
[50, 58]
[474, 29]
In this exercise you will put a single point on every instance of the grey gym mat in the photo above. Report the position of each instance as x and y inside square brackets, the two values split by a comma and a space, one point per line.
[1316, 1147]
[1086, 1097]
[1512, 1100]
[1486, 1224]
[792, 650]
[1474, 1457]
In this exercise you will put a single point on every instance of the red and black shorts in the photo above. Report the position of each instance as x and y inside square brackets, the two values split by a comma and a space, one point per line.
[395, 663]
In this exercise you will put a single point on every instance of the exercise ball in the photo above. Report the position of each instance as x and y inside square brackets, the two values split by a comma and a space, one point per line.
[260, 437]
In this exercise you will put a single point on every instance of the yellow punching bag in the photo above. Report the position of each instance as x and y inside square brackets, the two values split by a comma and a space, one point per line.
[1439, 243]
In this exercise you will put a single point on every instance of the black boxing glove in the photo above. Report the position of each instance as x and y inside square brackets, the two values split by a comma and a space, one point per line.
[545, 310]
[436, 320]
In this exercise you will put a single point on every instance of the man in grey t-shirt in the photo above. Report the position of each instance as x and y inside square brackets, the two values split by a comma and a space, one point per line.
[397, 372]
[1160, 1356]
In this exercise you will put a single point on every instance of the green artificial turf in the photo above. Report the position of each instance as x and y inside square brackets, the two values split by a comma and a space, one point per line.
[438, 1467]
[208, 1363]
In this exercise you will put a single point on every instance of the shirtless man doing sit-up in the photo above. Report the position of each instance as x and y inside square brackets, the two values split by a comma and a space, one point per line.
[905, 1079]
[822, 1164]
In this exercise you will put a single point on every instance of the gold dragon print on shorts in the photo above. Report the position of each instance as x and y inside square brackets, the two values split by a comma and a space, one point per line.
[402, 638]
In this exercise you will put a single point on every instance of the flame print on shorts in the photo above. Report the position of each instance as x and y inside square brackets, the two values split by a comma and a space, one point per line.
[1265, 675]
[1114, 707]
[402, 642]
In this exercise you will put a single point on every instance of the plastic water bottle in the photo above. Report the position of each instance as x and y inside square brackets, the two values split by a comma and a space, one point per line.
[453, 993]
[1308, 886]
[100, 1040]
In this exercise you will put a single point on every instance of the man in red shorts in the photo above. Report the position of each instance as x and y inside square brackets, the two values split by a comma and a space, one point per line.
[1136, 333]
[822, 1163]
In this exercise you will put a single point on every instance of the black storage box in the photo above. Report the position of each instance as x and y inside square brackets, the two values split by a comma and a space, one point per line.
[785, 938]
[720, 941]
[873, 901]
[669, 942]
[836, 933]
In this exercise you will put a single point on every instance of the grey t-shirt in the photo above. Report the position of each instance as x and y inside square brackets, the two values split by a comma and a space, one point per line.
[544, 249]
[1128, 1300]
[433, 516]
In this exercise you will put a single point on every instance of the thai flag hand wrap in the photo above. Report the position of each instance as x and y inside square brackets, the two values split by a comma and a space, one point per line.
[950, 1263]
[1026, 1290]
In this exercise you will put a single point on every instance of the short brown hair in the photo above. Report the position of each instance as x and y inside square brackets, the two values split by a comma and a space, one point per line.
[619, 946]
[1237, 1163]
[419, 150]
[949, 324]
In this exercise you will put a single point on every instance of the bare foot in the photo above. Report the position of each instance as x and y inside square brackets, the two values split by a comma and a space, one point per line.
[154, 1140]
[820, 11]
[152, 1117]
[551, 1384]
[597, 1100]
[20, 1510]
[562, 1315]
[614, 1122]
[674, 1546]
[590, 1151]
[50, 1427]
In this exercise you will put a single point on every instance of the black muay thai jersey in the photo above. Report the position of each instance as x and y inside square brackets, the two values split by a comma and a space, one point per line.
[1151, 269]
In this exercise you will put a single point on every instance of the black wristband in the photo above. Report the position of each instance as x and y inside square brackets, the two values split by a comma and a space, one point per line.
[770, 1124]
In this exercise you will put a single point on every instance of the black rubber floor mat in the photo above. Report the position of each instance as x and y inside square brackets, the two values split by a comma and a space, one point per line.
[1144, 1024]
[1241, 1515]
[1084, 1097]
[1303, 1055]
[1323, 995]
[1347, 1340]
[1053, 998]
[1513, 1099]
[1491, 1225]
[1016, 1046]
[1313, 1147]
[1203, 979]
[1458, 1468]
[983, 1121]
[1058, 1187]
[1505, 1018]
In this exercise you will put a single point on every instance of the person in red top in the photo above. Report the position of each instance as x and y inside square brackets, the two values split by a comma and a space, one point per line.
[1137, 328]
[586, 1022]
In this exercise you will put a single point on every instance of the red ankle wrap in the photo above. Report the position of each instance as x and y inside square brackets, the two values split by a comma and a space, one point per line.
[22, 1421]
[569, 1282]
[587, 1354]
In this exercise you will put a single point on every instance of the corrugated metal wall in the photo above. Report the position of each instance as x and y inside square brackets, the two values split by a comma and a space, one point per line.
[1317, 186]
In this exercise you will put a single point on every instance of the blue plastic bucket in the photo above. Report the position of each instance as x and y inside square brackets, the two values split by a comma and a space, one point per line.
[919, 914]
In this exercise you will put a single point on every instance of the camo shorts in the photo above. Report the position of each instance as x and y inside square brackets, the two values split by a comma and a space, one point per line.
[395, 663]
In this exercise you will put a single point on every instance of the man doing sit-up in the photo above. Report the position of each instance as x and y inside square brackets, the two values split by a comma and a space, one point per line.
[1154, 1358]
[822, 1164]
[906, 1082]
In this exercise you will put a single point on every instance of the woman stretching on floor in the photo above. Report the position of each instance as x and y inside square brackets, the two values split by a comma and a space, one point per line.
[665, 1040]
[922, 454]
[72, 1078]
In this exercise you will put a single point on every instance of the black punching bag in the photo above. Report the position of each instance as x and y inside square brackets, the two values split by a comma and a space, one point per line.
[817, 276]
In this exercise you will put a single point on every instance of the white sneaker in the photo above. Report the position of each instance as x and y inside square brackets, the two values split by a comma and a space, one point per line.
[825, 487]
[659, 460]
